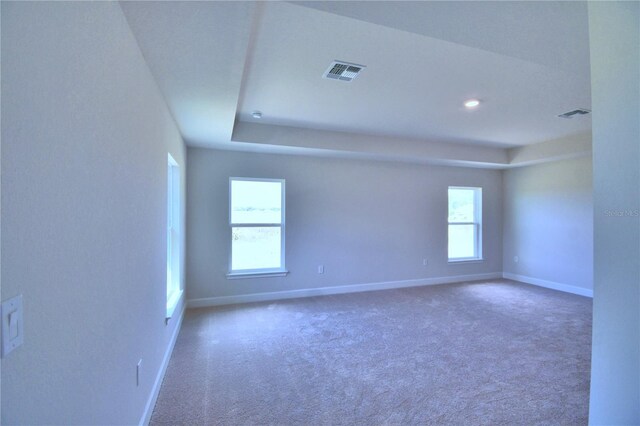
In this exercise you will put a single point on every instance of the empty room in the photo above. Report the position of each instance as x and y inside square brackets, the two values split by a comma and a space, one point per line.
[322, 212]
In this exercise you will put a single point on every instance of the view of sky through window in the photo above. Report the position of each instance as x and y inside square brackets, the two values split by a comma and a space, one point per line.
[255, 202]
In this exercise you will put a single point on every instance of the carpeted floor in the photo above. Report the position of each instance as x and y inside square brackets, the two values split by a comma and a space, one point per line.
[462, 354]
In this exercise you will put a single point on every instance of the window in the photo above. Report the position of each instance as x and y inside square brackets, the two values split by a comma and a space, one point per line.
[173, 236]
[256, 219]
[465, 224]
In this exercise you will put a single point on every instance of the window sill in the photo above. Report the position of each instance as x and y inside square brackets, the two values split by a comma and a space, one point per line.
[244, 275]
[466, 261]
[172, 303]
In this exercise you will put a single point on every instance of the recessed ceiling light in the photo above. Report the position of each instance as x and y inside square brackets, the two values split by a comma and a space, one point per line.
[471, 103]
[256, 114]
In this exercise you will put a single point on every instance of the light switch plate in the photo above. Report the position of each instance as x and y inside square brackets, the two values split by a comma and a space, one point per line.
[12, 324]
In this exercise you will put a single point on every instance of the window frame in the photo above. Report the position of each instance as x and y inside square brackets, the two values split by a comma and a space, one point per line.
[258, 272]
[174, 237]
[477, 223]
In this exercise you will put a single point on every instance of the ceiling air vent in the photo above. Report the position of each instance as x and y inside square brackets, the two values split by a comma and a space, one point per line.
[570, 114]
[344, 71]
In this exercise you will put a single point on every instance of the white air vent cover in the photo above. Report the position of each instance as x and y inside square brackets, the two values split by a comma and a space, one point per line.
[570, 114]
[344, 71]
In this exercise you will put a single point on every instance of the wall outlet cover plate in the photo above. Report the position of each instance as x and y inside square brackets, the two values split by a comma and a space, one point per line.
[12, 325]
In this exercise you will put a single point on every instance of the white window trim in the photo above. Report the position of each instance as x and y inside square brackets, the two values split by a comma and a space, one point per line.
[174, 293]
[172, 303]
[477, 212]
[246, 275]
[264, 272]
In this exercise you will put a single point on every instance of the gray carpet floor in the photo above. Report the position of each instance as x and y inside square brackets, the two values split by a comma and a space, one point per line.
[462, 354]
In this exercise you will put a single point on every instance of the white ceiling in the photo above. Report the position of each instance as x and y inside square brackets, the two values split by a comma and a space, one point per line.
[552, 34]
[196, 52]
[217, 62]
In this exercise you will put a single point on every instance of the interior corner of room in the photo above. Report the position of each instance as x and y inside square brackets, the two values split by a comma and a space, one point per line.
[168, 165]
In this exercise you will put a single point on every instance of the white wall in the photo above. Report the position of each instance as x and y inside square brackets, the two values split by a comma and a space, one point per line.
[85, 135]
[564, 148]
[548, 224]
[615, 67]
[365, 221]
[344, 144]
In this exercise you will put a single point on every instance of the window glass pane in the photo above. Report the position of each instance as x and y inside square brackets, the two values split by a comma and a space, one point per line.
[255, 248]
[256, 202]
[173, 230]
[462, 241]
[461, 203]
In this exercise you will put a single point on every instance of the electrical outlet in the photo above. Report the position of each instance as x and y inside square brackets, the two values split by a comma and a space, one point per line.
[516, 259]
[425, 262]
[138, 372]
[321, 269]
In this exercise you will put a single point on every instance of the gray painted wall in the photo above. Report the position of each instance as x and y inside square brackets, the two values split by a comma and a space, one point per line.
[548, 222]
[85, 135]
[615, 67]
[365, 221]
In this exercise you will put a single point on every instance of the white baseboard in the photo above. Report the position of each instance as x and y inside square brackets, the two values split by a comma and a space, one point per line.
[549, 284]
[354, 288]
[155, 390]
